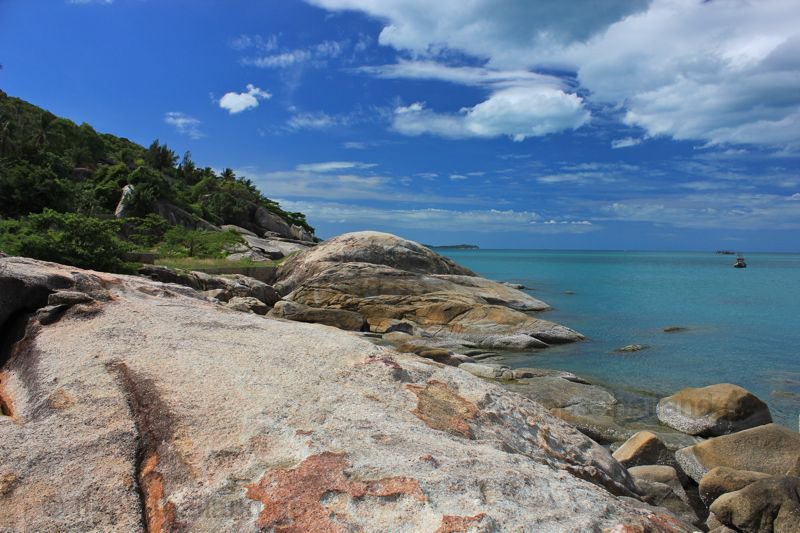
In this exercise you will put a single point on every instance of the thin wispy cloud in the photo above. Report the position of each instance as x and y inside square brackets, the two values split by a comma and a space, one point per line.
[184, 124]
[332, 166]
[316, 54]
[479, 221]
[626, 142]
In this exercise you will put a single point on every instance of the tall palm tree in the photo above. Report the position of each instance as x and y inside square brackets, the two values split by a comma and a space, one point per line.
[228, 175]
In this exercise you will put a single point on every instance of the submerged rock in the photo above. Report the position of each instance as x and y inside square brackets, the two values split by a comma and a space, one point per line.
[632, 348]
[713, 410]
[165, 412]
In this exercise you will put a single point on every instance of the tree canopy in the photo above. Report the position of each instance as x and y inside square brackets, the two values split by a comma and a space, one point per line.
[51, 162]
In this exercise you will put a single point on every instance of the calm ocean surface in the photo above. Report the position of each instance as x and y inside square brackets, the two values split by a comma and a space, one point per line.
[743, 324]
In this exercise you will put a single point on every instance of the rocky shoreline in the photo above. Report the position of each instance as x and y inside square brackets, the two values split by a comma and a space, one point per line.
[357, 391]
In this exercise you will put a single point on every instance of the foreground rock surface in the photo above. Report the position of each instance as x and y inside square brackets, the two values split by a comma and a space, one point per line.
[713, 410]
[150, 409]
[385, 278]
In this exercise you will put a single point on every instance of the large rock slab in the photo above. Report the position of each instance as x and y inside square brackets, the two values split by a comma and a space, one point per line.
[661, 486]
[646, 448]
[386, 278]
[713, 410]
[273, 248]
[722, 480]
[770, 505]
[770, 449]
[222, 287]
[368, 247]
[338, 318]
[269, 221]
[497, 293]
[162, 412]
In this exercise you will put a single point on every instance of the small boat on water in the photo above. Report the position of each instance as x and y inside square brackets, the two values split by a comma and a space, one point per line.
[726, 252]
[740, 263]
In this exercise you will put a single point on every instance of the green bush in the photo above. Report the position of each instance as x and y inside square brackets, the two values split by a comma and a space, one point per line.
[180, 242]
[145, 232]
[68, 238]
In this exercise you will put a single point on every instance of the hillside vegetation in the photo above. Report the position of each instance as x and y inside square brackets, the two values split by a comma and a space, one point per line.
[51, 167]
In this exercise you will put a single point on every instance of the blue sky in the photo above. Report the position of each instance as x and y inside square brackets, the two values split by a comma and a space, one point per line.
[628, 124]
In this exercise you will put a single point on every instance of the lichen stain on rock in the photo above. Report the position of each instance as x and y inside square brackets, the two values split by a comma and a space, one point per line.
[6, 403]
[60, 400]
[292, 497]
[160, 516]
[460, 524]
[440, 407]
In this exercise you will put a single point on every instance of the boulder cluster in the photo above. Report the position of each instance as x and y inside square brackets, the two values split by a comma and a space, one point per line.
[169, 404]
[128, 404]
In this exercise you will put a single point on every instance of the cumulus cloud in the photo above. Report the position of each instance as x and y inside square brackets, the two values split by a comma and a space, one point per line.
[184, 124]
[493, 28]
[237, 102]
[724, 71]
[516, 112]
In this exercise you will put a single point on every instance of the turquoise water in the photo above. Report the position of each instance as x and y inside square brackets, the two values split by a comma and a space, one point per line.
[743, 324]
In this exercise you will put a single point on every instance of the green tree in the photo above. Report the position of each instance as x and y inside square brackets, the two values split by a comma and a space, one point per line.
[68, 238]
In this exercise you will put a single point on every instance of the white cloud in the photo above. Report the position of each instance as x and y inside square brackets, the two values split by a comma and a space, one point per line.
[312, 121]
[795, 196]
[517, 112]
[713, 210]
[487, 27]
[317, 53]
[484, 221]
[184, 124]
[333, 166]
[521, 104]
[238, 102]
[625, 142]
[245, 42]
[355, 145]
[456, 177]
[481, 76]
[721, 71]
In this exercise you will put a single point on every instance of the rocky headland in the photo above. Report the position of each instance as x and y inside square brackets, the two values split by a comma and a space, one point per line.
[354, 392]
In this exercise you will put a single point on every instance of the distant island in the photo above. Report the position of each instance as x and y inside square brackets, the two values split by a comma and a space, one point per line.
[453, 247]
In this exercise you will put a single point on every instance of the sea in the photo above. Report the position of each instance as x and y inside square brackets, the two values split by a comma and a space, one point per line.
[742, 325]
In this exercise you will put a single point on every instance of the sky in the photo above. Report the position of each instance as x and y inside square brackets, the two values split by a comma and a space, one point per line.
[621, 124]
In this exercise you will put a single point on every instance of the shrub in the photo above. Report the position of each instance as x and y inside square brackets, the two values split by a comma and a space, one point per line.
[68, 238]
[145, 232]
[180, 242]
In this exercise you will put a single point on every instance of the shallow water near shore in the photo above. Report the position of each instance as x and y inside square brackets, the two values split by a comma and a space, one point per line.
[743, 325]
